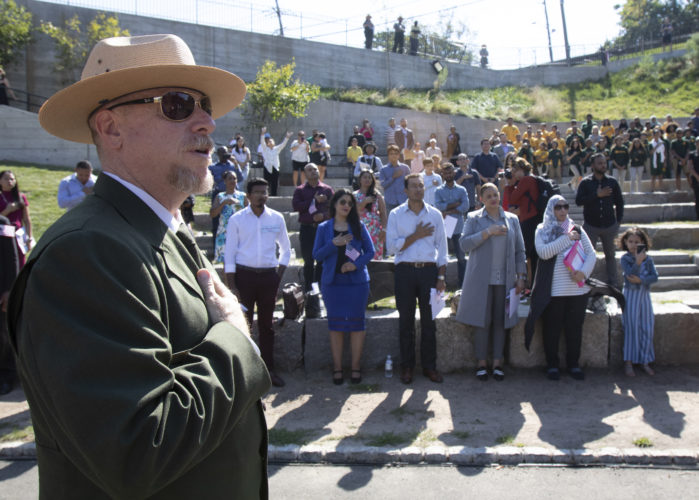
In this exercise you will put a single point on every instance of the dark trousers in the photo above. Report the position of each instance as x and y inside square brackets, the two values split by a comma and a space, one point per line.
[567, 313]
[460, 257]
[261, 289]
[7, 357]
[608, 236]
[368, 38]
[214, 220]
[398, 42]
[528, 232]
[412, 283]
[312, 269]
[273, 180]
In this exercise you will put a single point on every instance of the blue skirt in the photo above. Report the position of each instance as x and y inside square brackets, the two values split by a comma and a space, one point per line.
[346, 304]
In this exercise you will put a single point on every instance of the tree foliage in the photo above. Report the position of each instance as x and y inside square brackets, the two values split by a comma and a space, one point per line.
[15, 30]
[642, 19]
[275, 95]
[73, 43]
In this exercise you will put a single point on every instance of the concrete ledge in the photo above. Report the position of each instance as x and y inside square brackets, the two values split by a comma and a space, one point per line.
[675, 338]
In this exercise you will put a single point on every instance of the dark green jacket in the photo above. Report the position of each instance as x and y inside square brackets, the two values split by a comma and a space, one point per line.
[133, 392]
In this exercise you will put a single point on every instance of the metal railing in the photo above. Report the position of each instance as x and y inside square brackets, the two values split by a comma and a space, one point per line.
[27, 101]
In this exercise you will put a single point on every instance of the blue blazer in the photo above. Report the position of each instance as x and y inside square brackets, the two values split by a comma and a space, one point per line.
[325, 251]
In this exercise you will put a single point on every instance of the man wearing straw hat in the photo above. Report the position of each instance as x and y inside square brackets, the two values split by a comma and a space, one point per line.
[135, 359]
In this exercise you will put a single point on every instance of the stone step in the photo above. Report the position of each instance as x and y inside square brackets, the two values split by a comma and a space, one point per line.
[676, 269]
[667, 283]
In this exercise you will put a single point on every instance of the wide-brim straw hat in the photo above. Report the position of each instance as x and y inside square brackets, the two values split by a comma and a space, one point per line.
[123, 65]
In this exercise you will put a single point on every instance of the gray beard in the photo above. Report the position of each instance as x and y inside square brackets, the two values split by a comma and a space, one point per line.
[185, 181]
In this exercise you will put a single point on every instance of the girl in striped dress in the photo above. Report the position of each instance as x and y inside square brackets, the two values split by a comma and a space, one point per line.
[639, 321]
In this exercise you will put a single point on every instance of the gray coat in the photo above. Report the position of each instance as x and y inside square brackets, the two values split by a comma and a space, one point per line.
[472, 305]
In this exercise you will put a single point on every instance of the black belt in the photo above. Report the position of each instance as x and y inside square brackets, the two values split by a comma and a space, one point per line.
[257, 270]
[417, 264]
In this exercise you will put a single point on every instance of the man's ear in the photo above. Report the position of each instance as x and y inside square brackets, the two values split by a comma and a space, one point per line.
[106, 126]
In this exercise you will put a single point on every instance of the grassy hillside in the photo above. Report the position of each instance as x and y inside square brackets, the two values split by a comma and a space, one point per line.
[648, 88]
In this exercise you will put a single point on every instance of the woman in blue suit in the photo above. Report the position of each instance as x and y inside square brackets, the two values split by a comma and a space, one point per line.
[344, 247]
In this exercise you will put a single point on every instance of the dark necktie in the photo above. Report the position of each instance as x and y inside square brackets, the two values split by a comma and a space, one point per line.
[185, 236]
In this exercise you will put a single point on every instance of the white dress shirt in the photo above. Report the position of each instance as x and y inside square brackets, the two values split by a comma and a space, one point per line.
[402, 223]
[252, 241]
[70, 190]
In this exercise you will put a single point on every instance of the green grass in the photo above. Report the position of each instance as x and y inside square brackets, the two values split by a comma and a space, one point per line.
[387, 439]
[461, 434]
[643, 442]
[647, 88]
[17, 434]
[282, 437]
[40, 184]
[505, 439]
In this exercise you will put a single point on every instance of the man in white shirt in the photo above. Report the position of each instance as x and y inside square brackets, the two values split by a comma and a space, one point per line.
[417, 238]
[253, 271]
[270, 155]
[73, 189]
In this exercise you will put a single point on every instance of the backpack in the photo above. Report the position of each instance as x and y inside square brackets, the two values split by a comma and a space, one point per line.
[547, 188]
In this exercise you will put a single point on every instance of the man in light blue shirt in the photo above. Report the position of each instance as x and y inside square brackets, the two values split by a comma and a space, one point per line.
[391, 177]
[416, 237]
[452, 200]
[74, 188]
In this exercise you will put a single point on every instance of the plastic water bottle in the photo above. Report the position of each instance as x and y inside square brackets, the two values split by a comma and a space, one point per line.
[293, 255]
[389, 366]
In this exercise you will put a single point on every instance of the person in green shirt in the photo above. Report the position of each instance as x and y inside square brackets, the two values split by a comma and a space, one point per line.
[619, 156]
[587, 126]
[555, 160]
[587, 156]
[678, 157]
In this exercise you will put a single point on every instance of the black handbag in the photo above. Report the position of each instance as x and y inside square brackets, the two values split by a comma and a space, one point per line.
[292, 294]
[312, 305]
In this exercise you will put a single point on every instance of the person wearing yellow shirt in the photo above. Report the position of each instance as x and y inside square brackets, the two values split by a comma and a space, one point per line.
[607, 128]
[517, 143]
[353, 153]
[541, 157]
[510, 130]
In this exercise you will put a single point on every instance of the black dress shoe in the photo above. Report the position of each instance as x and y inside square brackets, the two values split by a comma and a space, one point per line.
[277, 381]
[433, 375]
[5, 387]
[482, 373]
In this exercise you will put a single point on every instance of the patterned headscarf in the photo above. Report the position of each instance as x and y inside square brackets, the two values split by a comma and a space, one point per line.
[551, 227]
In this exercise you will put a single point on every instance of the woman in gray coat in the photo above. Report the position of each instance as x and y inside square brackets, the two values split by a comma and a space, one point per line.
[496, 264]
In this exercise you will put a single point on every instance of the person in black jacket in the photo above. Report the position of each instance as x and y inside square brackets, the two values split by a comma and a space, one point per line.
[9, 265]
[603, 210]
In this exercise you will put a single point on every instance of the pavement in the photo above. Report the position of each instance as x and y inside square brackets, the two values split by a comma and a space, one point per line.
[608, 419]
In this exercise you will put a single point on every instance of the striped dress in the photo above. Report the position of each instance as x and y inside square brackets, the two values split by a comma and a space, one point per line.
[638, 317]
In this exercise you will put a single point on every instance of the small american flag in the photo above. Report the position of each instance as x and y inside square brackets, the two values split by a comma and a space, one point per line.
[351, 252]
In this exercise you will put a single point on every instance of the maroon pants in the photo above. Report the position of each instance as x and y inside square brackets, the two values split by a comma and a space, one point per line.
[261, 289]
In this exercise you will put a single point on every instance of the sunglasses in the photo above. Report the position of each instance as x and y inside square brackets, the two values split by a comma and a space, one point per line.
[561, 207]
[345, 202]
[175, 106]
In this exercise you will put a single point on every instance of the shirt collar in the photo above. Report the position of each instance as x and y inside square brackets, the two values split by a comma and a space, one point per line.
[171, 221]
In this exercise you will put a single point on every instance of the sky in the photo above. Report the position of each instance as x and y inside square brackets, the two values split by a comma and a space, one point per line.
[513, 30]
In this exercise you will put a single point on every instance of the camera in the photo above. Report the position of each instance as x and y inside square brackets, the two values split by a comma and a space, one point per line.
[507, 174]
[641, 248]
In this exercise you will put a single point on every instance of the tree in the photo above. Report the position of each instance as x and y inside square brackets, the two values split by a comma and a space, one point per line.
[275, 94]
[15, 30]
[642, 19]
[74, 46]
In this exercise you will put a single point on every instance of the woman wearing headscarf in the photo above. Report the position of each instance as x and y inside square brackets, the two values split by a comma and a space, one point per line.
[496, 264]
[559, 295]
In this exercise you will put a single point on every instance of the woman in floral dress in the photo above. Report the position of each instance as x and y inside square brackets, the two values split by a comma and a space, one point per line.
[226, 204]
[372, 210]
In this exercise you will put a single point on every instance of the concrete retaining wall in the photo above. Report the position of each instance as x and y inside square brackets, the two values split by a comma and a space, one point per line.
[327, 65]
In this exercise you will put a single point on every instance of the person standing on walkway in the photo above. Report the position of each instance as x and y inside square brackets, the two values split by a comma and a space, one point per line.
[496, 264]
[603, 210]
[311, 202]
[368, 32]
[270, 154]
[5, 89]
[639, 320]
[344, 246]
[416, 237]
[414, 39]
[300, 149]
[399, 36]
[254, 237]
[136, 360]
[559, 295]
[693, 174]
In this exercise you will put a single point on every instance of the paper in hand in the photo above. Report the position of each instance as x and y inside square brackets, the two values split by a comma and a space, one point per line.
[436, 302]
[449, 225]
